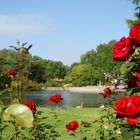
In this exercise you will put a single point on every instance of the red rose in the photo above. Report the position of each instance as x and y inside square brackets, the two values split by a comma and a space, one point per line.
[131, 82]
[137, 74]
[72, 125]
[135, 34]
[31, 105]
[12, 72]
[122, 49]
[138, 83]
[107, 91]
[56, 98]
[128, 107]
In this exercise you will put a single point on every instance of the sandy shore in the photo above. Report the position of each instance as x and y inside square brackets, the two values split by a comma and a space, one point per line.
[93, 89]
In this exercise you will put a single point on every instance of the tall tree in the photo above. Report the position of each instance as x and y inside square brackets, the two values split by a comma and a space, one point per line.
[131, 22]
[102, 61]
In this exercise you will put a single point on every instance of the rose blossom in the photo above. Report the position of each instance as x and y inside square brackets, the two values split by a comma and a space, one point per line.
[128, 107]
[107, 91]
[56, 98]
[134, 81]
[131, 82]
[135, 34]
[122, 49]
[12, 72]
[31, 105]
[137, 74]
[71, 126]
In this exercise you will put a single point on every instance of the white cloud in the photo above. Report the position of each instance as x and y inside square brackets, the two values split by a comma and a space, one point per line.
[21, 24]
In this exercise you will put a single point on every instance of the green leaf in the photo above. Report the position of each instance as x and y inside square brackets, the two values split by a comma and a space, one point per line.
[11, 60]
[125, 134]
[126, 67]
[19, 113]
[138, 92]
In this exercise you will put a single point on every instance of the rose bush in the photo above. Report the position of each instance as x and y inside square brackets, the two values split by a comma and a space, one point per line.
[127, 107]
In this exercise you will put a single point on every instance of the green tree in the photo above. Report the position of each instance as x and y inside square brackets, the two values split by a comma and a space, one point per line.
[55, 69]
[81, 75]
[38, 70]
[102, 61]
[43, 70]
[131, 22]
[89, 57]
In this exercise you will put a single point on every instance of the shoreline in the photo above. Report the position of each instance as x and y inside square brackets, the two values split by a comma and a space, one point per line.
[92, 89]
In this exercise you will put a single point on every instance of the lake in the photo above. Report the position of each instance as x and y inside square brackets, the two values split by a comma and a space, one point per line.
[70, 99]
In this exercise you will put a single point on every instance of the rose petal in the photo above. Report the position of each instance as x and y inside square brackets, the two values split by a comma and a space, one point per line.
[133, 120]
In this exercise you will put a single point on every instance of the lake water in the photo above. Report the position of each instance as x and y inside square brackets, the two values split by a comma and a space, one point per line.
[70, 99]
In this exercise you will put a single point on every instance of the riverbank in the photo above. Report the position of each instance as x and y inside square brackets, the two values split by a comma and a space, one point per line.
[92, 89]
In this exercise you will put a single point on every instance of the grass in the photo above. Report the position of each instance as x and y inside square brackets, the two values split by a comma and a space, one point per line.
[52, 124]
[60, 117]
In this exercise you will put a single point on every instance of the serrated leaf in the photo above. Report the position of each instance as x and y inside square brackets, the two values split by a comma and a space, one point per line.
[19, 113]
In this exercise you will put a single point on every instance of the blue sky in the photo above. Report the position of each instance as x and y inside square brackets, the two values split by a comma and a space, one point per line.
[63, 30]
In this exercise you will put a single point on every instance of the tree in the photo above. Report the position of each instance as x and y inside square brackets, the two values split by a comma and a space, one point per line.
[43, 70]
[102, 61]
[89, 57]
[81, 75]
[55, 69]
[38, 70]
[131, 22]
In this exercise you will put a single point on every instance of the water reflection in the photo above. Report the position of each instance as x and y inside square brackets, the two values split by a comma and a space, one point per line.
[70, 99]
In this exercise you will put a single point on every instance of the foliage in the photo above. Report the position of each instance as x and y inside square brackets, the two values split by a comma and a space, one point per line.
[81, 75]
[48, 122]
[38, 71]
[19, 59]
[55, 69]
[95, 66]
[102, 62]
[127, 109]
[31, 69]
[43, 71]
[131, 22]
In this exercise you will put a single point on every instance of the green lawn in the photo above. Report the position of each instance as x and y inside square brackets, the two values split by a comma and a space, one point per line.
[63, 116]
[51, 125]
